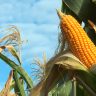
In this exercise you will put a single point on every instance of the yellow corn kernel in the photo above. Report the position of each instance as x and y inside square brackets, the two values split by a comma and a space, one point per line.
[80, 44]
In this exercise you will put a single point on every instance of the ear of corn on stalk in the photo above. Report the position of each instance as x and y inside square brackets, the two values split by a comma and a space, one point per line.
[79, 43]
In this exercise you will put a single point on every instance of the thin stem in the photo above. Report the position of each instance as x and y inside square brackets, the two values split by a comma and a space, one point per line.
[74, 86]
[86, 86]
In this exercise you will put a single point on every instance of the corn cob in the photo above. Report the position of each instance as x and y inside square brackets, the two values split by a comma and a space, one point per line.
[79, 43]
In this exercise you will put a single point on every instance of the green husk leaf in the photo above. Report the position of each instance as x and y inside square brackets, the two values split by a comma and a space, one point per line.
[69, 61]
[19, 69]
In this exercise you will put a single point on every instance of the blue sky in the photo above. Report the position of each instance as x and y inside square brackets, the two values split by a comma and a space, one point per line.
[38, 23]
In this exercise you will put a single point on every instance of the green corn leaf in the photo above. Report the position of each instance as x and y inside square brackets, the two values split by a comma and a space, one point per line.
[20, 88]
[84, 9]
[88, 81]
[13, 52]
[64, 89]
[19, 69]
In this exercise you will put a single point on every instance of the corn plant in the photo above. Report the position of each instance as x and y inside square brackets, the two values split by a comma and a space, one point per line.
[11, 41]
[68, 73]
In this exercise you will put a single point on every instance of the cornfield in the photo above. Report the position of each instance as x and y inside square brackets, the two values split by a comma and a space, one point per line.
[72, 69]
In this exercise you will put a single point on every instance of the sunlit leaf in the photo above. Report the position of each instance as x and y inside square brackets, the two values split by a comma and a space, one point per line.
[12, 94]
[13, 52]
[94, 1]
[69, 61]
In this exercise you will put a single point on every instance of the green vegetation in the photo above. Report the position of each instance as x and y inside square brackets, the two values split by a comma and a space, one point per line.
[63, 74]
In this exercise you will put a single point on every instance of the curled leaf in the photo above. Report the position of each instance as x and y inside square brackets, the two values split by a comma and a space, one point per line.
[13, 52]
[69, 61]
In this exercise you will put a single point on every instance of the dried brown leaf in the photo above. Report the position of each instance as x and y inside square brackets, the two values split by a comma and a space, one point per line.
[13, 52]
[6, 89]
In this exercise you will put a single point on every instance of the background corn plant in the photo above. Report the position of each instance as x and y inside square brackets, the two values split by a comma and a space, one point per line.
[64, 74]
[18, 80]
